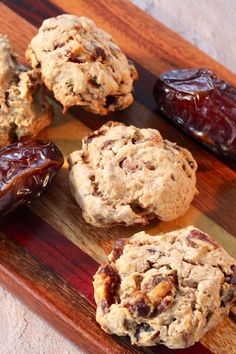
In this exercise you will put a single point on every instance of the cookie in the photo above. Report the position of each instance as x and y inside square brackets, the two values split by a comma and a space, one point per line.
[167, 289]
[82, 65]
[23, 109]
[126, 175]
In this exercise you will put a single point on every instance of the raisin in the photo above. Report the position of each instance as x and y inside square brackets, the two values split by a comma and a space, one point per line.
[100, 54]
[145, 213]
[108, 144]
[152, 250]
[104, 305]
[85, 159]
[233, 276]
[142, 327]
[26, 169]
[228, 298]
[118, 248]
[93, 82]
[110, 100]
[149, 165]
[140, 308]
[202, 105]
[75, 59]
[138, 281]
[189, 283]
[137, 208]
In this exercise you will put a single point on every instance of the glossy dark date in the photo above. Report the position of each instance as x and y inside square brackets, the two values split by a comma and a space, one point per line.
[202, 105]
[26, 169]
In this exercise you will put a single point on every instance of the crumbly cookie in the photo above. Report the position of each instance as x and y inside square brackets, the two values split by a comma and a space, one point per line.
[23, 108]
[128, 175]
[167, 289]
[82, 64]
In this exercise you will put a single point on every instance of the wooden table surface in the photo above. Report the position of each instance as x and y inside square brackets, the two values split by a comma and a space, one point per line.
[48, 254]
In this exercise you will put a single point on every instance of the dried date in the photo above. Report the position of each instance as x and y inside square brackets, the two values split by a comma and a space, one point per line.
[26, 169]
[202, 105]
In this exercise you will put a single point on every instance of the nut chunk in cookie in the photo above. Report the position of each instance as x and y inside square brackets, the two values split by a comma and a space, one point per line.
[126, 175]
[23, 109]
[167, 289]
[82, 65]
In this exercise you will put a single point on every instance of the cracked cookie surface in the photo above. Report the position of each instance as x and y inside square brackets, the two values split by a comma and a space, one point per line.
[23, 109]
[82, 64]
[167, 289]
[126, 175]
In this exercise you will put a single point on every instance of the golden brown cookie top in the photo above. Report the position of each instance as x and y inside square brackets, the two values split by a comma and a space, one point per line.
[82, 64]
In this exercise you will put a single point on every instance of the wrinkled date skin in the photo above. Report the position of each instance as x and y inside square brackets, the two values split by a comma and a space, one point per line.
[202, 105]
[26, 169]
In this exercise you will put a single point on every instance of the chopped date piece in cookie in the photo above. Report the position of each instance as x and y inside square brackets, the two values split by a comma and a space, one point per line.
[82, 65]
[232, 279]
[131, 176]
[173, 302]
[118, 248]
[139, 308]
[145, 327]
[197, 239]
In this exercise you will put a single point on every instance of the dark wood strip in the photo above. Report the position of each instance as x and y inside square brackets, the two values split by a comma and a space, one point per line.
[198, 348]
[33, 11]
[60, 257]
[52, 249]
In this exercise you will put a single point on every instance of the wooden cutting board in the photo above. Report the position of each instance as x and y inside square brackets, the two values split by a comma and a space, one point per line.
[48, 254]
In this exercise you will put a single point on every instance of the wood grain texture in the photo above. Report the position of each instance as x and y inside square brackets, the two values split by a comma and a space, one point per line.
[52, 249]
[55, 260]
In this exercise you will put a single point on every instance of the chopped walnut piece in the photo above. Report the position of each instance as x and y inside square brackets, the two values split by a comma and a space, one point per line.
[111, 283]
[158, 293]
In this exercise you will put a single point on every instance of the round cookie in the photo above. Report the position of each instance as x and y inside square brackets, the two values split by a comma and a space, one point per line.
[126, 175]
[82, 64]
[167, 289]
[23, 109]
